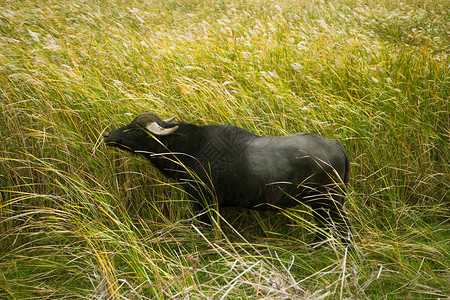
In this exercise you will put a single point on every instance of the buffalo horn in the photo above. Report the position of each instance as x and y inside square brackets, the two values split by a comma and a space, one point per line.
[170, 120]
[154, 128]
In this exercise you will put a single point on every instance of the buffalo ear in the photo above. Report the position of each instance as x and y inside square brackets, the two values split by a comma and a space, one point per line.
[154, 128]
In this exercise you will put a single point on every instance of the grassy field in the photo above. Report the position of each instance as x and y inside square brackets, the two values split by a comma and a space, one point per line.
[82, 221]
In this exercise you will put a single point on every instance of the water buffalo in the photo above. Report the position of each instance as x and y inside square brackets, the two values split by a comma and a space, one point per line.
[233, 167]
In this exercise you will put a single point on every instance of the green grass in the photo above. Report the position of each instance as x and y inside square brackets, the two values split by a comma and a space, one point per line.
[78, 220]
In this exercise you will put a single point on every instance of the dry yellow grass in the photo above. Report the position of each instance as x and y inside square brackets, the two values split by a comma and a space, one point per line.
[78, 220]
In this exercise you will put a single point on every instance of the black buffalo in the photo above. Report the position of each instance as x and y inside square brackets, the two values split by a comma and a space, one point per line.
[230, 166]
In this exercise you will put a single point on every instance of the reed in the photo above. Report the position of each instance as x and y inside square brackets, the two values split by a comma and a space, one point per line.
[78, 220]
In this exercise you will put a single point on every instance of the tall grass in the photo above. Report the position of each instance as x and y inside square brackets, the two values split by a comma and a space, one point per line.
[78, 220]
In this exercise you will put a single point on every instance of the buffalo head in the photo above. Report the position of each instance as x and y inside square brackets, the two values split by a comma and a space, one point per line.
[141, 135]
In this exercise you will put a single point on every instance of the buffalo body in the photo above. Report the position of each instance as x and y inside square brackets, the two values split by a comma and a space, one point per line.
[233, 167]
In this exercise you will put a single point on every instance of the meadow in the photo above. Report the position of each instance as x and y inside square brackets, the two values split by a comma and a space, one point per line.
[79, 220]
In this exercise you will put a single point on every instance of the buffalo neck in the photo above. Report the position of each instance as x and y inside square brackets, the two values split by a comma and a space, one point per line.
[179, 149]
